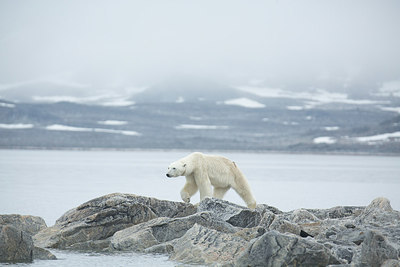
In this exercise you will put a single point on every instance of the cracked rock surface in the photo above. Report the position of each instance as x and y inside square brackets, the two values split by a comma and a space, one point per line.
[220, 233]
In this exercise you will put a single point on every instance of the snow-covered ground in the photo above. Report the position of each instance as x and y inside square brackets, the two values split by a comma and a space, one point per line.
[244, 102]
[16, 126]
[59, 127]
[379, 137]
[201, 127]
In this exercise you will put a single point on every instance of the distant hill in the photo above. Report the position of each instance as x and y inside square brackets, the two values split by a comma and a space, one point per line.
[209, 116]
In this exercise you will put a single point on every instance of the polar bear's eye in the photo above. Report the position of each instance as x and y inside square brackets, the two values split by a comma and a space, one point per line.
[174, 168]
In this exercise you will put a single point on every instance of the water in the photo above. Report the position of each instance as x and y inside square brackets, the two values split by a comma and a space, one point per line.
[48, 183]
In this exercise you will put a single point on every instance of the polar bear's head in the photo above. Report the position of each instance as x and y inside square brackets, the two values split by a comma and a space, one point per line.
[176, 169]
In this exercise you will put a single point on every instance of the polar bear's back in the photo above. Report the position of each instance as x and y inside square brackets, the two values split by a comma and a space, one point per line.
[221, 171]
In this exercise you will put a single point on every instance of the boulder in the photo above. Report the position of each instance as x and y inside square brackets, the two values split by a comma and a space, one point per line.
[379, 213]
[234, 214]
[202, 245]
[15, 245]
[277, 249]
[90, 225]
[376, 249]
[27, 223]
[161, 230]
[218, 232]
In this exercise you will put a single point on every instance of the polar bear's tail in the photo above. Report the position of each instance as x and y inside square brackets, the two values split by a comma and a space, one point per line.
[242, 187]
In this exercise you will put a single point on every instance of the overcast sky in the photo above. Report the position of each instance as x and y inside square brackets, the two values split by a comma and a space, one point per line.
[133, 43]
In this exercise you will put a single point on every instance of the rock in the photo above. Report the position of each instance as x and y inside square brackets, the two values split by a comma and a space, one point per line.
[161, 230]
[201, 245]
[376, 249]
[15, 245]
[391, 263]
[27, 223]
[277, 249]
[234, 214]
[302, 216]
[339, 212]
[379, 213]
[218, 232]
[90, 225]
[284, 226]
[42, 254]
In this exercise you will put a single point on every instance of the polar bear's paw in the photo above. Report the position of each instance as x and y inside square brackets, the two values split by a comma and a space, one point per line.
[185, 197]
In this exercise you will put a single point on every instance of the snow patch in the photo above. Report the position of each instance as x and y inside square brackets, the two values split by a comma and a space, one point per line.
[391, 88]
[324, 140]
[295, 107]
[317, 97]
[180, 100]
[331, 128]
[15, 126]
[244, 102]
[59, 127]
[122, 102]
[379, 137]
[7, 105]
[112, 122]
[201, 127]
[393, 109]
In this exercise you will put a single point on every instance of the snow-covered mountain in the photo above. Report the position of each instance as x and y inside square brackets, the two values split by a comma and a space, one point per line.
[204, 115]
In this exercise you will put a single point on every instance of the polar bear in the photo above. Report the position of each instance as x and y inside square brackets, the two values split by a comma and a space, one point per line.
[203, 171]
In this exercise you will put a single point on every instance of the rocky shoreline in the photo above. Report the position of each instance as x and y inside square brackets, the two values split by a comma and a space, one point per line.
[214, 232]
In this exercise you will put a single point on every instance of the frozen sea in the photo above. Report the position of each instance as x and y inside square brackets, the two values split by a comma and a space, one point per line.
[48, 183]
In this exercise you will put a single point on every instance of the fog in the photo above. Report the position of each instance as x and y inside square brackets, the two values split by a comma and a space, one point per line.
[340, 45]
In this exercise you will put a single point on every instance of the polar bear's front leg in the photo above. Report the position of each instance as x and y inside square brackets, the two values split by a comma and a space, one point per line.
[204, 184]
[189, 189]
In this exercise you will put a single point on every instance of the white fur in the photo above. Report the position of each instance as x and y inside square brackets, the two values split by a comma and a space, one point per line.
[204, 171]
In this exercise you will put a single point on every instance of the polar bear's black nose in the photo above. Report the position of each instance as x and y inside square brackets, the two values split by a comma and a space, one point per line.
[168, 175]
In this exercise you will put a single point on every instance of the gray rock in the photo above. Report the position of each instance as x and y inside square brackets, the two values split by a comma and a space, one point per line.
[284, 226]
[91, 224]
[277, 249]
[27, 223]
[234, 214]
[379, 213]
[376, 249]
[218, 232]
[161, 230]
[339, 212]
[42, 254]
[391, 263]
[15, 245]
[201, 245]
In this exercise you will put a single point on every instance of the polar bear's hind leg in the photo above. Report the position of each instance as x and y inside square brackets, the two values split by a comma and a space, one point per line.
[242, 187]
[219, 192]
